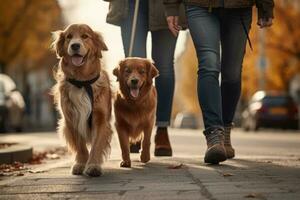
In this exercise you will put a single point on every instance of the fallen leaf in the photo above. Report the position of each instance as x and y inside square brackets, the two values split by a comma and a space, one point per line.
[19, 174]
[227, 174]
[254, 195]
[178, 166]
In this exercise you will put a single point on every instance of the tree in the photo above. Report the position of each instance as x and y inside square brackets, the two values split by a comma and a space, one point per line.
[25, 31]
[283, 47]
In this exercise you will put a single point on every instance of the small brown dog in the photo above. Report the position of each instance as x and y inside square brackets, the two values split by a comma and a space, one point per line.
[83, 97]
[135, 105]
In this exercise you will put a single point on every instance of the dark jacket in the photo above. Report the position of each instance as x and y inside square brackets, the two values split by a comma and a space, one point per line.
[118, 11]
[265, 7]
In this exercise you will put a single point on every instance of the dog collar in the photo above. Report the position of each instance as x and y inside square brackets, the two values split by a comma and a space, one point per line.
[88, 88]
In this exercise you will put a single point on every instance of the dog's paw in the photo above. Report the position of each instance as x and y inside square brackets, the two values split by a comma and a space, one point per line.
[125, 164]
[93, 170]
[77, 168]
[145, 157]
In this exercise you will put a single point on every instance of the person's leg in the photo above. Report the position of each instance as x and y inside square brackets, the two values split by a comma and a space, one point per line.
[139, 48]
[205, 31]
[163, 47]
[233, 40]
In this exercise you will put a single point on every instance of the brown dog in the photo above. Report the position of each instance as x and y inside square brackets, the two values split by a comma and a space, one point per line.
[135, 105]
[83, 97]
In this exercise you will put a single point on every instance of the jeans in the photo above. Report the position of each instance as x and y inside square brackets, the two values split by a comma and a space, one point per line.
[220, 39]
[163, 47]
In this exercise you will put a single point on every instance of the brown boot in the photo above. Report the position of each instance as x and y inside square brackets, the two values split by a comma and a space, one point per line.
[162, 142]
[215, 152]
[230, 153]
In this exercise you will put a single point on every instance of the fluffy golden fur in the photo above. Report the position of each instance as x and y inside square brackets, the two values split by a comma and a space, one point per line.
[135, 105]
[79, 49]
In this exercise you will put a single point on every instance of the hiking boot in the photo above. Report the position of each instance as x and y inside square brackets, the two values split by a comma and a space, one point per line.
[230, 153]
[215, 152]
[162, 142]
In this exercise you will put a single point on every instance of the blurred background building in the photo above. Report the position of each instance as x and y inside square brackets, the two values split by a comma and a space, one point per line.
[25, 37]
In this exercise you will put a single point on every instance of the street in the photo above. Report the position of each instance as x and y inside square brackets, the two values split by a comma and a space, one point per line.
[267, 166]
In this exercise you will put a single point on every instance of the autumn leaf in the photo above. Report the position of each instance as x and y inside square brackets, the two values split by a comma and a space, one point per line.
[176, 166]
[25, 33]
[227, 174]
[20, 174]
[254, 195]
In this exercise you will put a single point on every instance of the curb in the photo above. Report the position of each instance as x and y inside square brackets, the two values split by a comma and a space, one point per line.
[15, 153]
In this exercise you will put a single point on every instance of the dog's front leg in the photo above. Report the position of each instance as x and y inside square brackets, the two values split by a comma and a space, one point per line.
[101, 137]
[80, 158]
[145, 155]
[124, 143]
[78, 146]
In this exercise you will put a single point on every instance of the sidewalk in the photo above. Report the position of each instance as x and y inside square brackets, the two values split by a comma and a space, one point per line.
[272, 174]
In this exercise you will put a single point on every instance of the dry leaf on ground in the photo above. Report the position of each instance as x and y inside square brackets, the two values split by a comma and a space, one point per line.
[177, 166]
[227, 174]
[254, 195]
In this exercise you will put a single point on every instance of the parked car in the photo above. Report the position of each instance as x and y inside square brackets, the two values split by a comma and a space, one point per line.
[270, 109]
[12, 105]
[186, 121]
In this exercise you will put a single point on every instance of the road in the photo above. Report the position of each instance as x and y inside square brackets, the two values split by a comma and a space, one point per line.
[267, 166]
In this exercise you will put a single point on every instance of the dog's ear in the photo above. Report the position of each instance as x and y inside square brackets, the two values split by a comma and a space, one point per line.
[153, 72]
[58, 43]
[100, 45]
[116, 72]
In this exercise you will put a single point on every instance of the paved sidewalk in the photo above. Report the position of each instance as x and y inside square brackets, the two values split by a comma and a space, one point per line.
[273, 174]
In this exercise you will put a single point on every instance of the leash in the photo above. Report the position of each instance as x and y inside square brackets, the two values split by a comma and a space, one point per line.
[88, 88]
[133, 28]
[246, 32]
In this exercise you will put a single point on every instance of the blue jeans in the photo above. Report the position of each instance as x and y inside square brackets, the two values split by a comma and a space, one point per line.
[225, 28]
[163, 47]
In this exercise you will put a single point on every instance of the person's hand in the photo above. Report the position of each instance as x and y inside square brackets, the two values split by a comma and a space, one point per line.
[263, 23]
[173, 25]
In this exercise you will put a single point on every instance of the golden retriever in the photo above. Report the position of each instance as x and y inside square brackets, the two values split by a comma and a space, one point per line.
[83, 97]
[135, 105]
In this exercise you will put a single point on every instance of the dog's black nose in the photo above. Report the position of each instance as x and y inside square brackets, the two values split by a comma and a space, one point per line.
[75, 46]
[134, 81]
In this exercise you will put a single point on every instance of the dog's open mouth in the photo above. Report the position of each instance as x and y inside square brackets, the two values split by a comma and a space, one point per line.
[134, 92]
[77, 60]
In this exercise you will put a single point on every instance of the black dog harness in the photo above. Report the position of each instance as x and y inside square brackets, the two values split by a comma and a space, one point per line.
[88, 88]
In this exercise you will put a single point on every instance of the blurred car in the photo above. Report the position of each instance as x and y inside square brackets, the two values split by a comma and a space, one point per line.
[12, 105]
[270, 109]
[186, 121]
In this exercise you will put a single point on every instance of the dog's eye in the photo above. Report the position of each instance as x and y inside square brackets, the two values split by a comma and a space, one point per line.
[128, 71]
[142, 71]
[84, 36]
[69, 36]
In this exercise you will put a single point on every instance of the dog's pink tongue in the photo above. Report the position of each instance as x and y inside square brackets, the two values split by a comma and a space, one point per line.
[134, 92]
[77, 60]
